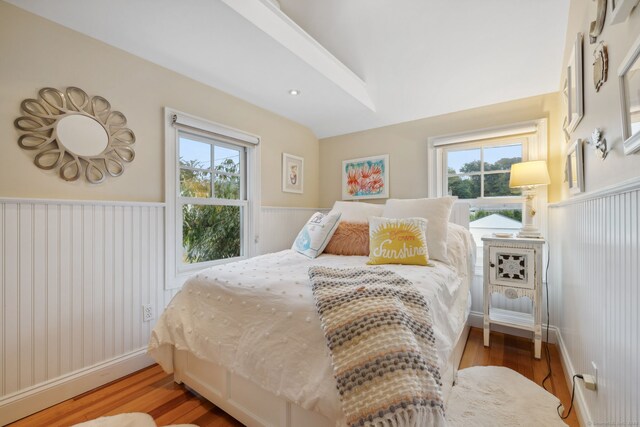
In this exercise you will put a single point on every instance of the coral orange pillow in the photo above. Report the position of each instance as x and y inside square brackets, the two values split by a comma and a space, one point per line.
[350, 238]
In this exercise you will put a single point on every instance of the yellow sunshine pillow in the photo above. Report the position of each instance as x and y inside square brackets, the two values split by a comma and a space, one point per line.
[398, 241]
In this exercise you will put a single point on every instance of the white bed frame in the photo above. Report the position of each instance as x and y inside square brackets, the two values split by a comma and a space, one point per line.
[254, 406]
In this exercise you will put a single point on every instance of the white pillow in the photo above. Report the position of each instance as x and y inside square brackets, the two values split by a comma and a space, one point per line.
[436, 211]
[316, 233]
[356, 211]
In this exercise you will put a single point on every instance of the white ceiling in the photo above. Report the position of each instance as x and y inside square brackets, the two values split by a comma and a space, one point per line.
[411, 58]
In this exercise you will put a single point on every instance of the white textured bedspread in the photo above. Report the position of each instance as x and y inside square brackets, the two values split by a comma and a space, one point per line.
[258, 319]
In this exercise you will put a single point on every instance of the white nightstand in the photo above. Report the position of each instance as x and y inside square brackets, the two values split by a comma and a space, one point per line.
[513, 268]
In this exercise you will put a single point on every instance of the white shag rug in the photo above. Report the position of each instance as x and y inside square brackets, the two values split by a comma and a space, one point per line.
[494, 396]
[134, 419]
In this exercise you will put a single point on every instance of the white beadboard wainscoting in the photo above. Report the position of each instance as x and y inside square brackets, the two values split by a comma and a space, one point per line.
[595, 256]
[74, 277]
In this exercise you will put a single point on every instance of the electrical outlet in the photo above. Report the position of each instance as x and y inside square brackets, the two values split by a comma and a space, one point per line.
[589, 382]
[147, 312]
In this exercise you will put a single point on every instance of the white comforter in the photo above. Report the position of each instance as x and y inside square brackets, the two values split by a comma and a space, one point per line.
[257, 318]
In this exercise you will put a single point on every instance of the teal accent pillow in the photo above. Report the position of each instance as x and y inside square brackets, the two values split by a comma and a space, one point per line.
[316, 233]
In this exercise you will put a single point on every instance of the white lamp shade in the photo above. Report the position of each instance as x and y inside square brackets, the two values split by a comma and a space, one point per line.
[529, 174]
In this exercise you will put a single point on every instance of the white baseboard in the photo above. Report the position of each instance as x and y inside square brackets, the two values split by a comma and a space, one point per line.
[555, 337]
[476, 320]
[29, 401]
[584, 416]
[26, 402]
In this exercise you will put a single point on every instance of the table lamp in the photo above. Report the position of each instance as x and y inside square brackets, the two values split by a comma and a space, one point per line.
[528, 176]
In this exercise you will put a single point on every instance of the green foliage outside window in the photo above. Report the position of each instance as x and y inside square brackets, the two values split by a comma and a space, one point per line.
[495, 185]
[210, 232]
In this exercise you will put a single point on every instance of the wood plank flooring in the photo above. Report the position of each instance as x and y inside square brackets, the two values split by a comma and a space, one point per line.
[517, 354]
[154, 392]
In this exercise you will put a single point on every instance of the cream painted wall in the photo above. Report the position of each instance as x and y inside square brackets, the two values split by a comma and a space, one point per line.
[602, 109]
[37, 53]
[406, 144]
[596, 243]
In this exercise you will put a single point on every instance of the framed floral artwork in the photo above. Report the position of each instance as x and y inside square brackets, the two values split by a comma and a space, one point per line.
[292, 173]
[365, 178]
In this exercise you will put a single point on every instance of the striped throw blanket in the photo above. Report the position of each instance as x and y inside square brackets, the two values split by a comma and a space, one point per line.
[379, 331]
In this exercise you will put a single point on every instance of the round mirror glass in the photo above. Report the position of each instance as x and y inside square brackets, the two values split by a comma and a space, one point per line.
[82, 135]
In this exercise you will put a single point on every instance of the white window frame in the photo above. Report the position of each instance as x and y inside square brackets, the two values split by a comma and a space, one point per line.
[443, 151]
[535, 133]
[176, 272]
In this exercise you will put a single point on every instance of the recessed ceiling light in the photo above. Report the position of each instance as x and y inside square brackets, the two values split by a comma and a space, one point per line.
[294, 92]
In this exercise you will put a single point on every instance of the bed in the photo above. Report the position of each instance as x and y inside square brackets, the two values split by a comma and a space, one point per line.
[247, 337]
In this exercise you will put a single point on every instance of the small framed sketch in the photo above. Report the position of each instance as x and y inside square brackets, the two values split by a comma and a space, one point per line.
[629, 75]
[365, 178]
[565, 122]
[292, 173]
[575, 107]
[575, 167]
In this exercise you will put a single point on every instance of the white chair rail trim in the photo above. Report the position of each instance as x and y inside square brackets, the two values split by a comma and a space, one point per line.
[622, 187]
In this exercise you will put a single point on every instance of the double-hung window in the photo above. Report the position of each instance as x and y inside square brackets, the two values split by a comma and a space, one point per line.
[211, 200]
[212, 195]
[479, 172]
[475, 167]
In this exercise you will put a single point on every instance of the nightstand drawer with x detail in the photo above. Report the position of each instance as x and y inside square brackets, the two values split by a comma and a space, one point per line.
[513, 268]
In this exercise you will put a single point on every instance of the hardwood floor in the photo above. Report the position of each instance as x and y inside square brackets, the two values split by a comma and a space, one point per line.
[154, 392]
[517, 353]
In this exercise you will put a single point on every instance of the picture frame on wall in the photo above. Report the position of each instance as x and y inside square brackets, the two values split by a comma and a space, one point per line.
[365, 178]
[620, 10]
[565, 120]
[629, 76]
[575, 93]
[575, 167]
[292, 173]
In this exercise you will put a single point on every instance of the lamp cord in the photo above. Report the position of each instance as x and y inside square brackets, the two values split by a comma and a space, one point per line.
[573, 394]
[546, 345]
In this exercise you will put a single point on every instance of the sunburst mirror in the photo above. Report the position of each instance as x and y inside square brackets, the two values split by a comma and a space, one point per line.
[75, 134]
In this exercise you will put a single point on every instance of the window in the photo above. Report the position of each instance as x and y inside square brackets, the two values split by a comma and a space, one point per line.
[479, 172]
[482, 170]
[475, 167]
[212, 195]
[211, 198]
